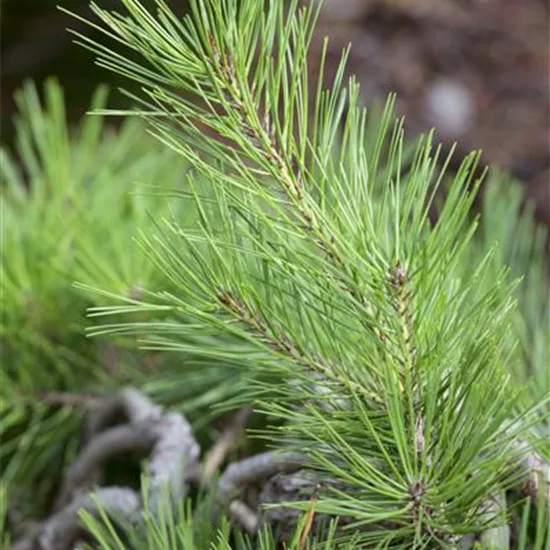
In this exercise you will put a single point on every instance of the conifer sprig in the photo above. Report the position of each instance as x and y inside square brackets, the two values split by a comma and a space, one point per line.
[315, 260]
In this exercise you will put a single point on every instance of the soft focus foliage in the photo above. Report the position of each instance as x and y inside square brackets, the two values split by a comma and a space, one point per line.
[72, 202]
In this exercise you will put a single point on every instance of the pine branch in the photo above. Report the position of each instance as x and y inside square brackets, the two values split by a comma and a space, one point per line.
[285, 347]
[318, 247]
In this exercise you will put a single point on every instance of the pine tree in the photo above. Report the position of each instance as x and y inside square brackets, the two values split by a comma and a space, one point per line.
[383, 347]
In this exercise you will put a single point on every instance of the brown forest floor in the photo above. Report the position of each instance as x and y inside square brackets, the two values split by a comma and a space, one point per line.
[477, 70]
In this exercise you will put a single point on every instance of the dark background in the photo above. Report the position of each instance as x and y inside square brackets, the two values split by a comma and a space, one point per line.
[477, 70]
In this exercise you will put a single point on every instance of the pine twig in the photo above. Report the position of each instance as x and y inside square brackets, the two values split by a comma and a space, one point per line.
[60, 531]
[253, 469]
[244, 515]
[246, 472]
[299, 486]
[139, 435]
[466, 542]
[497, 536]
[130, 402]
[99, 449]
[281, 344]
[309, 521]
[539, 476]
[174, 453]
[223, 446]
[537, 472]
[72, 400]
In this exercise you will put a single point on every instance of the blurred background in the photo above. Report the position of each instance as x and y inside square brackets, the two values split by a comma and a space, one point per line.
[477, 70]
